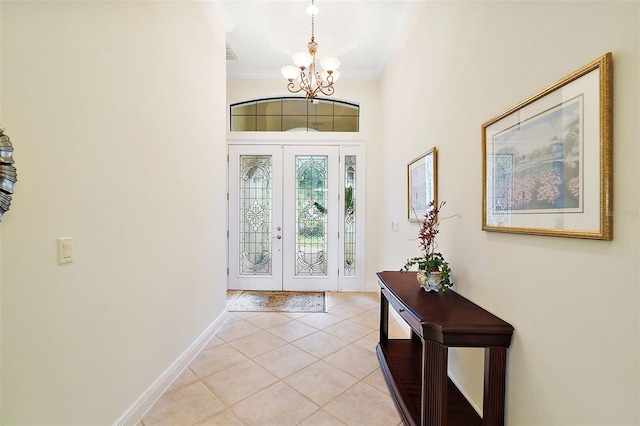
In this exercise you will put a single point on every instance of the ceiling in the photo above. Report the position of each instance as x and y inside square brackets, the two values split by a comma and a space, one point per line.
[264, 34]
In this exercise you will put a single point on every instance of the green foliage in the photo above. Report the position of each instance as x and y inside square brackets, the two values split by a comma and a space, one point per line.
[348, 199]
[431, 260]
[431, 263]
[322, 209]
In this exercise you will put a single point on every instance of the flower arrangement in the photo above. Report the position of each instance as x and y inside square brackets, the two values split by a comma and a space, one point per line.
[431, 260]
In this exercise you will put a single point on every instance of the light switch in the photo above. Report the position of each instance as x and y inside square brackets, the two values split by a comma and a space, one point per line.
[394, 226]
[65, 250]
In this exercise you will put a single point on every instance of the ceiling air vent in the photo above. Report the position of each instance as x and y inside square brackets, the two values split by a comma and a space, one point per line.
[230, 55]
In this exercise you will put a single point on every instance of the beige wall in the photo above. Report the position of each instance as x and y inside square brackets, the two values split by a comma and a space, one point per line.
[116, 113]
[574, 304]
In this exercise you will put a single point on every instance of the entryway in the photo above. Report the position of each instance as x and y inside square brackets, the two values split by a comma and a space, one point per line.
[293, 217]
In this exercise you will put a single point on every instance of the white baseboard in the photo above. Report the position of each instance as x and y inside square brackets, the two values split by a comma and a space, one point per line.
[162, 383]
[466, 395]
[372, 287]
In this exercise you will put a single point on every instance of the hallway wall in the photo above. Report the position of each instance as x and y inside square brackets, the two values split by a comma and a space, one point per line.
[574, 358]
[116, 112]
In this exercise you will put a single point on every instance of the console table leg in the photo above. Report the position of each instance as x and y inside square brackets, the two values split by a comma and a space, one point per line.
[384, 318]
[434, 384]
[495, 364]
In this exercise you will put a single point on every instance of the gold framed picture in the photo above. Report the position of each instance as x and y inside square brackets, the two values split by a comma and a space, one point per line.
[422, 184]
[547, 163]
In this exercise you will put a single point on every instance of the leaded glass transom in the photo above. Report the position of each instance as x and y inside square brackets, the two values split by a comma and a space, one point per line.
[256, 186]
[311, 215]
[294, 114]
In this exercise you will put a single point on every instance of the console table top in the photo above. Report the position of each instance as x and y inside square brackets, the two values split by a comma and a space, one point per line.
[447, 317]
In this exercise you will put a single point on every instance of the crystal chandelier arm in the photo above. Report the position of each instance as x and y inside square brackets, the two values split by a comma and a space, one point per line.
[302, 83]
[330, 77]
[325, 90]
[292, 86]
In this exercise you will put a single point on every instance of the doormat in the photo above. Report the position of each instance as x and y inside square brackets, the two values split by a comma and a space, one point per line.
[279, 301]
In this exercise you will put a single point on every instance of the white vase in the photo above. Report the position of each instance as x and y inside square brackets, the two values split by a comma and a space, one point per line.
[429, 281]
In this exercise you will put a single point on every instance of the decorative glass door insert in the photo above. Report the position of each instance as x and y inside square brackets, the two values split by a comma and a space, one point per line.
[350, 215]
[256, 187]
[311, 215]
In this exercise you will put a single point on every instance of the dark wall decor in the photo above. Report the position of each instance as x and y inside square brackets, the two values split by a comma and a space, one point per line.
[8, 174]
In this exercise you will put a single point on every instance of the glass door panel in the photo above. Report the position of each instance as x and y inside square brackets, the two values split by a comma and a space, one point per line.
[310, 218]
[349, 232]
[255, 200]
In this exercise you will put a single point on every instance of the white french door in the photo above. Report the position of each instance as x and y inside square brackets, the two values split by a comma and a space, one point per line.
[255, 212]
[283, 217]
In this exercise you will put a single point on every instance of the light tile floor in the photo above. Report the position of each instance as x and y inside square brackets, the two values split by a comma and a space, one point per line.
[280, 369]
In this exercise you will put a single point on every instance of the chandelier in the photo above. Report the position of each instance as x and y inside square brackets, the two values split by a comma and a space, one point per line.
[304, 76]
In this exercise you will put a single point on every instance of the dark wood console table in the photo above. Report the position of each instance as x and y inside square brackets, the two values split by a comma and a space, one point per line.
[416, 369]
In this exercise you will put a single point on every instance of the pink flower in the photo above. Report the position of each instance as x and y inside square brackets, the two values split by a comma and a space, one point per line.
[549, 186]
[429, 228]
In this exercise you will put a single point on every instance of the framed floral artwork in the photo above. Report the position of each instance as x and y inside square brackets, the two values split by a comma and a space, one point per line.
[547, 164]
[422, 177]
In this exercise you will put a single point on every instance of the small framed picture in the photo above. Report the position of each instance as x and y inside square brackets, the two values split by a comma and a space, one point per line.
[422, 178]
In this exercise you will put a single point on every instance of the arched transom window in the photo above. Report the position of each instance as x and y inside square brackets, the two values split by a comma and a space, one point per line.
[294, 114]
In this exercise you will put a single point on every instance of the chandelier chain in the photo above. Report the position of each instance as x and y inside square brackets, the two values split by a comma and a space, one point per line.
[313, 22]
